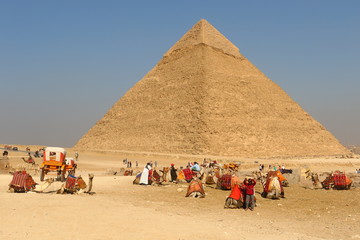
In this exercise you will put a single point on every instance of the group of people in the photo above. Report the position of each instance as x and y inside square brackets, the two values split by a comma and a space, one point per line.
[128, 163]
[357, 170]
[271, 167]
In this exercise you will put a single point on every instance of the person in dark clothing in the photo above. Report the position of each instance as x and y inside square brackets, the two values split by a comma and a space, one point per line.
[173, 173]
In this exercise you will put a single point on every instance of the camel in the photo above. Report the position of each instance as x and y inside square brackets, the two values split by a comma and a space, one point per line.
[21, 182]
[235, 199]
[274, 189]
[30, 160]
[165, 172]
[128, 172]
[314, 178]
[195, 189]
[45, 185]
[337, 180]
[271, 185]
[76, 185]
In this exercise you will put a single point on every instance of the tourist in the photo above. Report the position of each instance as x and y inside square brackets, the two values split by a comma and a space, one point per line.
[136, 163]
[76, 156]
[195, 167]
[249, 184]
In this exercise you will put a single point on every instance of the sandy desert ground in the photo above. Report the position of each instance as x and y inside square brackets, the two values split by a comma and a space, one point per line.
[121, 210]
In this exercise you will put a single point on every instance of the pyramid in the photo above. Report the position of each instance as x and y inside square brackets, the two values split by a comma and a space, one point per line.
[204, 98]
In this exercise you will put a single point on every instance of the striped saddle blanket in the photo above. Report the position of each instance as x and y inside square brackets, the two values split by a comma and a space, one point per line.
[22, 181]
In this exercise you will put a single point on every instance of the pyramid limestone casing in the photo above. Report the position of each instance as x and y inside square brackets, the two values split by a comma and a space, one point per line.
[204, 97]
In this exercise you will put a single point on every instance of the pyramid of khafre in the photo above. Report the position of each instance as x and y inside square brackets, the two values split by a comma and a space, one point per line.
[204, 97]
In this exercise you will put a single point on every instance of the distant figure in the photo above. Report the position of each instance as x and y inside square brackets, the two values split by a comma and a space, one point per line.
[130, 164]
[36, 154]
[76, 156]
[155, 163]
[137, 164]
[173, 173]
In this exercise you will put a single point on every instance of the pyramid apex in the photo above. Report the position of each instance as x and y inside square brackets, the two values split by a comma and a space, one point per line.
[204, 32]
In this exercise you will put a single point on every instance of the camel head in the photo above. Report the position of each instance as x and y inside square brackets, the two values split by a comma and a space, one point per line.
[50, 180]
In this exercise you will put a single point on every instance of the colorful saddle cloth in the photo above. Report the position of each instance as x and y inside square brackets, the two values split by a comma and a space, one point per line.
[188, 173]
[22, 182]
[225, 182]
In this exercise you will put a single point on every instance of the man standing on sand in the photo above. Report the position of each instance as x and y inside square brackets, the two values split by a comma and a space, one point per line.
[144, 179]
[173, 173]
[76, 156]
[249, 184]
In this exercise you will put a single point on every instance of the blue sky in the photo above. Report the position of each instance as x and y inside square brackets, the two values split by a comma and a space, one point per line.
[63, 64]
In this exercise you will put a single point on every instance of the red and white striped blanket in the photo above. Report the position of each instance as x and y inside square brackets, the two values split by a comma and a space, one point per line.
[22, 181]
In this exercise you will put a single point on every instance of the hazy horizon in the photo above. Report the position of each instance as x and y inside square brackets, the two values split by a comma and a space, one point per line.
[64, 64]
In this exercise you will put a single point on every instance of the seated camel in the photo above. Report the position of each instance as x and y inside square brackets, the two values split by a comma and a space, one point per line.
[235, 199]
[272, 186]
[195, 189]
[21, 182]
[314, 178]
[337, 180]
[76, 185]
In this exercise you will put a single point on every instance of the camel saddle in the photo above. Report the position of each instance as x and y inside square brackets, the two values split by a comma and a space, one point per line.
[74, 183]
[22, 182]
[236, 193]
[188, 173]
[225, 182]
[195, 186]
